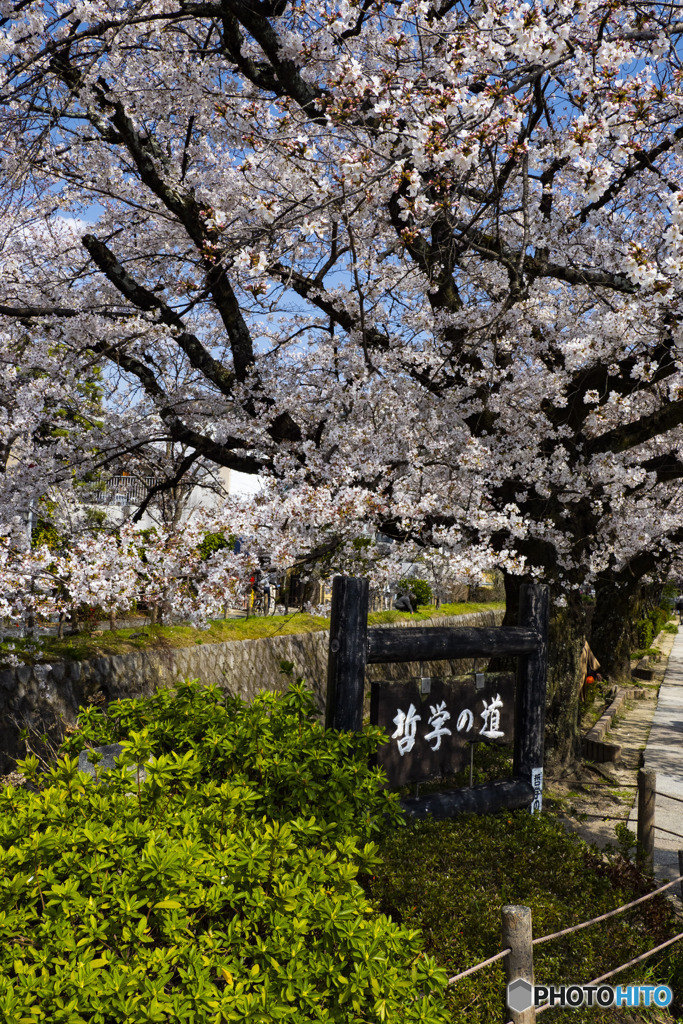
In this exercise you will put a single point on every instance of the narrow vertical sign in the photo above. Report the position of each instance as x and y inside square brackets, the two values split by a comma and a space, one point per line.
[537, 784]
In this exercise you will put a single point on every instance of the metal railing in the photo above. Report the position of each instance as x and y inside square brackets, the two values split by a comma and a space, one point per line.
[122, 490]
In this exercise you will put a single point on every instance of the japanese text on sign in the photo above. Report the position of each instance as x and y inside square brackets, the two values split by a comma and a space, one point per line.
[430, 730]
[406, 724]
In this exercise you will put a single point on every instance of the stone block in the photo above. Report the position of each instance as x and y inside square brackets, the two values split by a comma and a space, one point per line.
[58, 672]
[644, 669]
[109, 753]
[610, 752]
[8, 680]
[23, 674]
[599, 751]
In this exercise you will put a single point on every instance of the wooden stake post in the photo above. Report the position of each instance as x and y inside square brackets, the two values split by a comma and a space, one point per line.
[647, 795]
[532, 678]
[519, 964]
[347, 654]
[353, 646]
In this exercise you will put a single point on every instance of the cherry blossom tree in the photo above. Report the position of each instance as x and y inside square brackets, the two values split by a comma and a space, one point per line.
[426, 253]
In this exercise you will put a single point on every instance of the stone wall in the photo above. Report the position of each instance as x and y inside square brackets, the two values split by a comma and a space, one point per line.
[46, 698]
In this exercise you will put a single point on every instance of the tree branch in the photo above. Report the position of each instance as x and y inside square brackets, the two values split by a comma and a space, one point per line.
[166, 485]
[630, 435]
[148, 301]
[310, 99]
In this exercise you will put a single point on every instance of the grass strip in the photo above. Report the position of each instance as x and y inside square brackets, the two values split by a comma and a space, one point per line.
[84, 645]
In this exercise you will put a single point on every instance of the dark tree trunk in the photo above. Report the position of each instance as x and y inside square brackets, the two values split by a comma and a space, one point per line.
[616, 608]
[566, 637]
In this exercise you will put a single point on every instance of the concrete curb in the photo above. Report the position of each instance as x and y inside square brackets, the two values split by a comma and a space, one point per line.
[594, 746]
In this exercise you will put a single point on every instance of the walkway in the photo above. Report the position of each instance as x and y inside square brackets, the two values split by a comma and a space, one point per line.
[664, 753]
[593, 798]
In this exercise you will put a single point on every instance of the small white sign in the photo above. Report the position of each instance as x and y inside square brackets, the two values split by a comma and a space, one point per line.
[537, 783]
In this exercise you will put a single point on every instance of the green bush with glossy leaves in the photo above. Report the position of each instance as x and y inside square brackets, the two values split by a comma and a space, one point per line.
[420, 588]
[221, 886]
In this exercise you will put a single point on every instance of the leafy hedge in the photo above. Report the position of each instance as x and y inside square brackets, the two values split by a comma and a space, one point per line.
[658, 617]
[649, 627]
[644, 634]
[221, 887]
[420, 588]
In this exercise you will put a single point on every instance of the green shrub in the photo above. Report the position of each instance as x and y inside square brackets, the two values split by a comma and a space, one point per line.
[421, 589]
[645, 630]
[643, 633]
[626, 840]
[653, 653]
[221, 887]
[658, 617]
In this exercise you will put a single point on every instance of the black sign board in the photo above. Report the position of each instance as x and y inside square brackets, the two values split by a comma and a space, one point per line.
[431, 722]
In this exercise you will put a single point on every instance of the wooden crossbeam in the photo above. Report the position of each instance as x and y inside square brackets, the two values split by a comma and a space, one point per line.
[439, 643]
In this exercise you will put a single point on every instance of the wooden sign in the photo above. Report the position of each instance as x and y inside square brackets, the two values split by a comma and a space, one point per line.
[432, 722]
[354, 645]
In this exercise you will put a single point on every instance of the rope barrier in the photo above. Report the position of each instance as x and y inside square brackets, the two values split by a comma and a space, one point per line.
[631, 963]
[616, 785]
[484, 963]
[567, 931]
[610, 913]
[670, 796]
[637, 959]
[603, 817]
[605, 785]
[668, 831]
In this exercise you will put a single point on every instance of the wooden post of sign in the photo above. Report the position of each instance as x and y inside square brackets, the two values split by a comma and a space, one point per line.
[680, 869]
[347, 654]
[519, 965]
[532, 677]
[647, 793]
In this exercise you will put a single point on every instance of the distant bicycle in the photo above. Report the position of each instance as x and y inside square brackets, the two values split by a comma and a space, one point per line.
[258, 602]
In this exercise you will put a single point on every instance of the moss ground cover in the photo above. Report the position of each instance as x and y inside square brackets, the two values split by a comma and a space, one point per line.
[450, 879]
[431, 612]
[82, 646]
